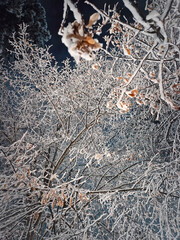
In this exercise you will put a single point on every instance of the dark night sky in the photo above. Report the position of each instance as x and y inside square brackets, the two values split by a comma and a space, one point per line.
[54, 11]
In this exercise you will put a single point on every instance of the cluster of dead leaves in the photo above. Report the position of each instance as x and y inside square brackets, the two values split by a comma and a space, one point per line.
[85, 43]
[61, 198]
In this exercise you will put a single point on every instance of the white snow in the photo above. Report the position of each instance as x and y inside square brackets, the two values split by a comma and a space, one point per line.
[70, 43]
[75, 11]
[135, 14]
[152, 15]
[65, 9]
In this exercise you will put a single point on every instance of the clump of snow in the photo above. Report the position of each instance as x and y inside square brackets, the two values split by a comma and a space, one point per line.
[79, 44]
[152, 15]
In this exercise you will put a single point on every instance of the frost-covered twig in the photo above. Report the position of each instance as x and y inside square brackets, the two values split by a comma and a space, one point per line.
[114, 190]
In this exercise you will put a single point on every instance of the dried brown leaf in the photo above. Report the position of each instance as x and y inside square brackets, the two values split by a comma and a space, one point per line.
[92, 20]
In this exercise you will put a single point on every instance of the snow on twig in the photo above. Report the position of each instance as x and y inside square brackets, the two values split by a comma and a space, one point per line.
[135, 14]
[64, 16]
[75, 11]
